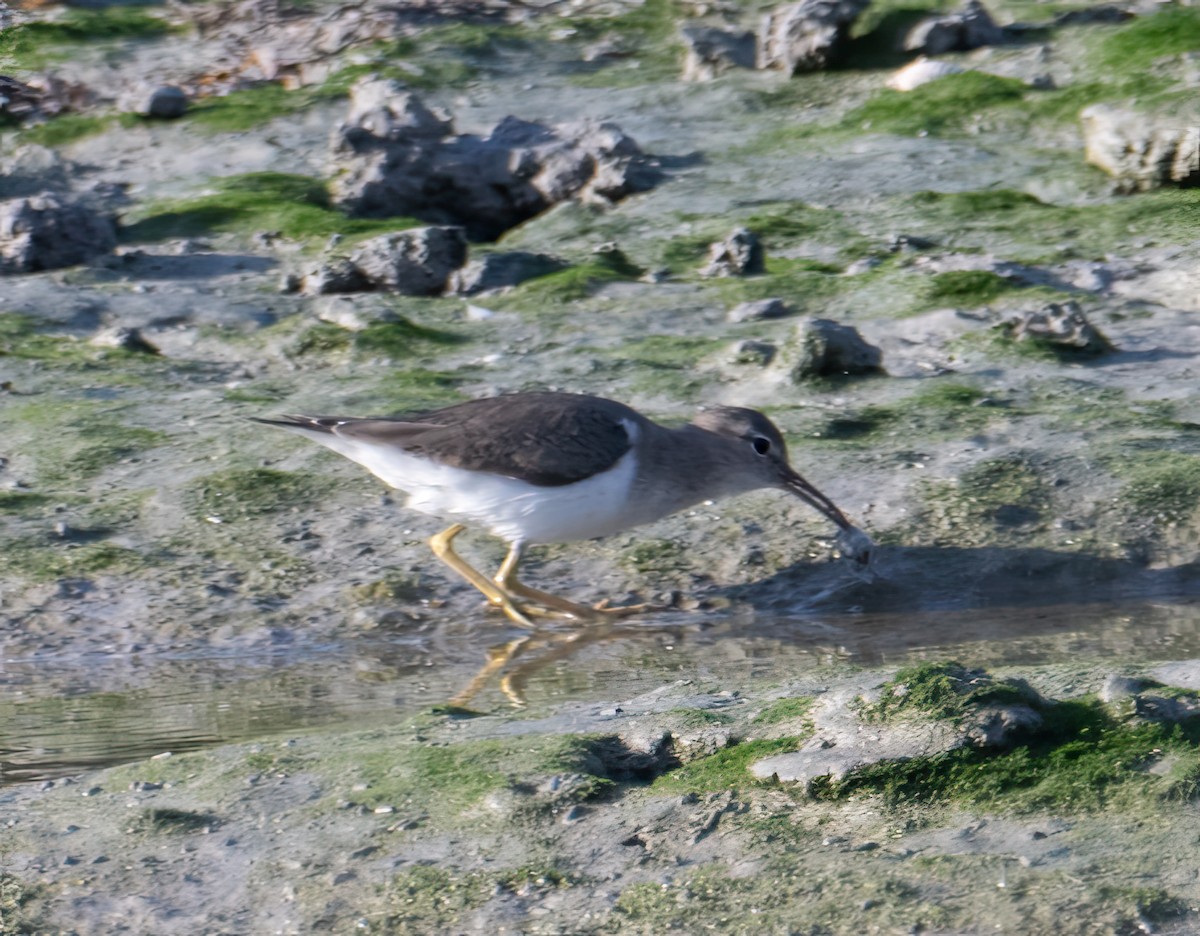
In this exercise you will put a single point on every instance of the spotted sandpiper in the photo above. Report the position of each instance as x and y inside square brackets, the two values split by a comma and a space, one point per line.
[538, 468]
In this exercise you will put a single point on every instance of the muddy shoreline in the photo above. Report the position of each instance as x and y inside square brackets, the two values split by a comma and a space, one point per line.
[233, 681]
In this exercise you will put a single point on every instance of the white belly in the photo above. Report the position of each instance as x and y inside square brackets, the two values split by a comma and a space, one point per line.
[511, 509]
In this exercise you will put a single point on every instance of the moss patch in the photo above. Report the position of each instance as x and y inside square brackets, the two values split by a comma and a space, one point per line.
[967, 287]
[1081, 759]
[247, 108]
[782, 710]
[298, 207]
[935, 409]
[431, 899]
[40, 560]
[552, 291]
[80, 440]
[31, 45]
[66, 129]
[944, 690]
[252, 492]
[450, 781]
[1001, 218]
[940, 107]
[1162, 485]
[1146, 39]
[996, 502]
[727, 769]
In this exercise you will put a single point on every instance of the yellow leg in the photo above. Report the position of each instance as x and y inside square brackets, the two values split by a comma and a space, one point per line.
[443, 547]
[507, 580]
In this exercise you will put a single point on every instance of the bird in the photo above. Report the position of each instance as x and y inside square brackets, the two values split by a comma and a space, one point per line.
[542, 467]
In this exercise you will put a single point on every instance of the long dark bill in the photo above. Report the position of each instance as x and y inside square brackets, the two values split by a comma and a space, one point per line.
[814, 498]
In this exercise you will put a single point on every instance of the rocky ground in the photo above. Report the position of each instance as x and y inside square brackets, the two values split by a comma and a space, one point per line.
[1025, 452]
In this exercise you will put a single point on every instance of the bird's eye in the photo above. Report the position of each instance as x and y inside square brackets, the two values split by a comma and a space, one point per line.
[761, 444]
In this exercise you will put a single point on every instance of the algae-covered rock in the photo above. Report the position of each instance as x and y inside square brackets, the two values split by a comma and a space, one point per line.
[807, 36]
[740, 254]
[44, 232]
[1059, 326]
[1140, 152]
[824, 348]
[966, 29]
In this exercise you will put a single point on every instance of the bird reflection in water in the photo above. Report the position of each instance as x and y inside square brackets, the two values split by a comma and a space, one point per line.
[531, 652]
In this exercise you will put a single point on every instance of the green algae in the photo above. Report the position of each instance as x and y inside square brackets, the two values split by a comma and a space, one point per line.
[40, 560]
[967, 287]
[647, 33]
[245, 494]
[944, 691]
[784, 710]
[15, 897]
[32, 45]
[247, 108]
[400, 338]
[936, 409]
[551, 291]
[658, 556]
[22, 501]
[995, 218]
[24, 337]
[943, 107]
[691, 719]
[67, 129]
[432, 899]
[1137, 45]
[727, 769]
[999, 501]
[81, 440]
[1162, 485]
[450, 781]
[297, 207]
[1081, 759]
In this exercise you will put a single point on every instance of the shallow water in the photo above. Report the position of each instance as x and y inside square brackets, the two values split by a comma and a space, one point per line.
[62, 715]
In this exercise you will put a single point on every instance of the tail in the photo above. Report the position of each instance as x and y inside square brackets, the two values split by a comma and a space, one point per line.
[305, 425]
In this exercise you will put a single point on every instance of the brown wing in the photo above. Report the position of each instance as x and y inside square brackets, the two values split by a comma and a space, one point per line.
[547, 439]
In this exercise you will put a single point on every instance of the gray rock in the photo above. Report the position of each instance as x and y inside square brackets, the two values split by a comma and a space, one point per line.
[1184, 674]
[807, 36]
[740, 254]
[396, 157]
[1116, 688]
[1062, 326]
[415, 263]
[970, 28]
[337, 275]
[33, 169]
[165, 102]
[760, 353]
[18, 100]
[502, 270]
[382, 109]
[125, 339]
[42, 232]
[710, 52]
[822, 348]
[758, 310]
[1139, 152]
[846, 737]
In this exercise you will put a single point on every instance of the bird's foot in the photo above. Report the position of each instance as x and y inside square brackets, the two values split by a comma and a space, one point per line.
[606, 609]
